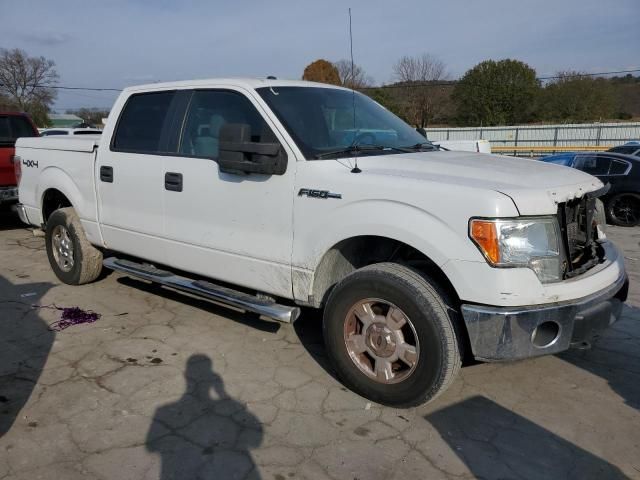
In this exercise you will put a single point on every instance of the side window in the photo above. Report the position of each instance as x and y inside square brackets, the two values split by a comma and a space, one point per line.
[618, 167]
[142, 122]
[594, 164]
[48, 133]
[208, 111]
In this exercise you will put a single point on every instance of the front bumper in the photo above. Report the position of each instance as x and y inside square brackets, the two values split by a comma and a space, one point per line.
[512, 333]
[8, 194]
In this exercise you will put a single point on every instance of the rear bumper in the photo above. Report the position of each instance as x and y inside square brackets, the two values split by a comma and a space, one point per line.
[8, 194]
[22, 213]
[512, 333]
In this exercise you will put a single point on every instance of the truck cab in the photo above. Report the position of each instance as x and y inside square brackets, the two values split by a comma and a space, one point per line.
[272, 195]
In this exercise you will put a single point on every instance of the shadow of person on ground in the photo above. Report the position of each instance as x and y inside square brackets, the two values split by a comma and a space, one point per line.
[615, 356]
[202, 437]
[25, 343]
[494, 442]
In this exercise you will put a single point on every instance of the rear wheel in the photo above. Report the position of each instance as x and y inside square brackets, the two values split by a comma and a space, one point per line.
[624, 209]
[72, 258]
[390, 336]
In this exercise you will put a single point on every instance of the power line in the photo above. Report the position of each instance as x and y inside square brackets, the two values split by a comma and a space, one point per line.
[450, 83]
[59, 87]
[437, 83]
[589, 74]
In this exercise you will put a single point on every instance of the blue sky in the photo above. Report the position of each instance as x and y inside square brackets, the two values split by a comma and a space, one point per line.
[115, 43]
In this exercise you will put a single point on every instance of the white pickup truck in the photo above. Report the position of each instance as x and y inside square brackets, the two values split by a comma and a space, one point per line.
[265, 197]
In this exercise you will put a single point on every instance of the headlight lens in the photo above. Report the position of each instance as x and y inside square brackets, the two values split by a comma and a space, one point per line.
[533, 243]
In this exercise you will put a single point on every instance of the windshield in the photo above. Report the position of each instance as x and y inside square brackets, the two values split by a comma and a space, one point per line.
[320, 121]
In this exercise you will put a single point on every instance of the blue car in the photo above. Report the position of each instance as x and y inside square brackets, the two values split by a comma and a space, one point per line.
[622, 172]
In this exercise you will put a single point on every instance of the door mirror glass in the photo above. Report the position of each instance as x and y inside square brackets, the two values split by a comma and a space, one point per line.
[238, 154]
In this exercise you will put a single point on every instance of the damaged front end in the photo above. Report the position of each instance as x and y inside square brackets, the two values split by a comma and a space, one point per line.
[581, 234]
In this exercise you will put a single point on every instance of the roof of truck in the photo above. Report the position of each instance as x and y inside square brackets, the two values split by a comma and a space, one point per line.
[250, 83]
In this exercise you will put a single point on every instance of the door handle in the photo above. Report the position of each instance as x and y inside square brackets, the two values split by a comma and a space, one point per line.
[106, 174]
[173, 181]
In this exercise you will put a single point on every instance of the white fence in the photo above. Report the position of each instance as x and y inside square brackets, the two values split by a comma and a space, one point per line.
[567, 135]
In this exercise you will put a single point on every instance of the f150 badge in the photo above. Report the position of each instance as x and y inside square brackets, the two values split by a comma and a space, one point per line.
[308, 192]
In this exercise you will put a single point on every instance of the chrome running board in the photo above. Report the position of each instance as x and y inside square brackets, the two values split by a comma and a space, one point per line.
[227, 296]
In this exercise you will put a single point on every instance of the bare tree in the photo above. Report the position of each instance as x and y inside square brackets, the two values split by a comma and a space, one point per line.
[424, 95]
[25, 81]
[359, 78]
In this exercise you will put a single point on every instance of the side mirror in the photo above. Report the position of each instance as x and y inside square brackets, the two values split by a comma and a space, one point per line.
[238, 154]
[422, 131]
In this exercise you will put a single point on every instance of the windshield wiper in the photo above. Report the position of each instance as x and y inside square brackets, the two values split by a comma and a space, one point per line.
[420, 146]
[361, 148]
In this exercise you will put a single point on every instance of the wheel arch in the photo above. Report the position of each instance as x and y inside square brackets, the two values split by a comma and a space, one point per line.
[359, 251]
[56, 189]
[53, 199]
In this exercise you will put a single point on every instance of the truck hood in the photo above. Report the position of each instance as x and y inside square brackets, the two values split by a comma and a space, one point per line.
[535, 187]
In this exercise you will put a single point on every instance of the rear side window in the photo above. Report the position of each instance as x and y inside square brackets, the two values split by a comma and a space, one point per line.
[49, 133]
[143, 122]
[618, 167]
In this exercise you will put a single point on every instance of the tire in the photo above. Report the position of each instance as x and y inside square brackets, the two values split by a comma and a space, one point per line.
[72, 258]
[423, 308]
[623, 209]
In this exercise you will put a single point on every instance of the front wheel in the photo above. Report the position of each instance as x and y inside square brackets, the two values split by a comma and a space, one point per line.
[624, 209]
[390, 335]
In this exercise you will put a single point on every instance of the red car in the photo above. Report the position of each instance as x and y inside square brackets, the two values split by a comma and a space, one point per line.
[12, 126]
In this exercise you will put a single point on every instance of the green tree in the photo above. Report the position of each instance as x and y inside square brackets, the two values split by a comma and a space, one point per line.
[496, 93]
[575, 97]
[322, 71]
[385, 97]
[25, 83]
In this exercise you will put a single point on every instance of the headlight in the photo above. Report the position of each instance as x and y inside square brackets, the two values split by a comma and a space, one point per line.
[532, 243]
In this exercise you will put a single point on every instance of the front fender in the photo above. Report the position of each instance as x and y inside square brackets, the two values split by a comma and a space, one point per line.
[434, 237]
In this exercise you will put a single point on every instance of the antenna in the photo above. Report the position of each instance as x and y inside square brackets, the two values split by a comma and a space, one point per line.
[355, 169]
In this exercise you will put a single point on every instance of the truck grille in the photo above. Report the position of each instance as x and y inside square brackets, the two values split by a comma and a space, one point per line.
[579, 236]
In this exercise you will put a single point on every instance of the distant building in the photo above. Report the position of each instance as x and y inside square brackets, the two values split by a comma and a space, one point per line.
[65, 120]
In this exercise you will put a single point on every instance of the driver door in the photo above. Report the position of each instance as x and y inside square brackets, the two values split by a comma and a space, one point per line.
[229, 226]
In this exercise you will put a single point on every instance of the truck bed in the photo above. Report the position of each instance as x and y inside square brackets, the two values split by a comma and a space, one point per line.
[62, 163]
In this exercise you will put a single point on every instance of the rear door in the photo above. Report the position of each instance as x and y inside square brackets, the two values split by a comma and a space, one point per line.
[129, 175]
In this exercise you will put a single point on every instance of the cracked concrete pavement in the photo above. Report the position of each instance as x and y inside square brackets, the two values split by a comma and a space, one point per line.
[165, 386]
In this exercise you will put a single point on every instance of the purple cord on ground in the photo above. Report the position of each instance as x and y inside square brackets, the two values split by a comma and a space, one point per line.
[71, 316]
